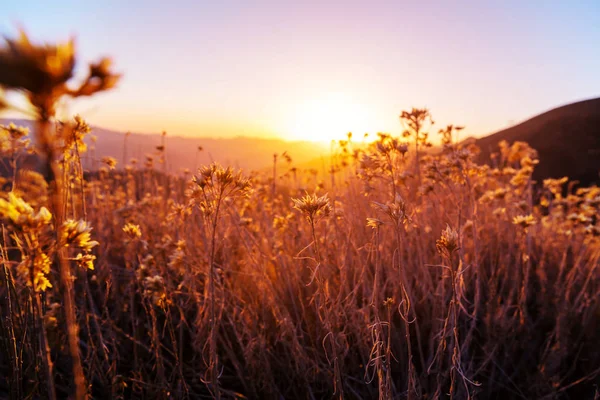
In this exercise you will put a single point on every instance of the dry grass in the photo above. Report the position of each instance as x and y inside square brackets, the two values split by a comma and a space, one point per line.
[400, 277]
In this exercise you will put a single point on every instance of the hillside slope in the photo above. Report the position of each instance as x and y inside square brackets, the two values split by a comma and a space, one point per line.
[567, 139]
[182, 152]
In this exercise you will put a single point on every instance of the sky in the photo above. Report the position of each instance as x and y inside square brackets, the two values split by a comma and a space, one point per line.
[318, 69]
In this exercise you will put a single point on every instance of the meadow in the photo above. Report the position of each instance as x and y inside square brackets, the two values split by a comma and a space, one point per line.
[400, 271]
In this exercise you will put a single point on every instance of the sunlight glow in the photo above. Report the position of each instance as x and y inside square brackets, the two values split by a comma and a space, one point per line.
[329, 117]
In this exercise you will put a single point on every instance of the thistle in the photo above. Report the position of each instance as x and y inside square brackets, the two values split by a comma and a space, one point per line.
[313, 206]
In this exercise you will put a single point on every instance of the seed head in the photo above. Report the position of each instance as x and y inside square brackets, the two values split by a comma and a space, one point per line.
[448, 242]
[313, 206]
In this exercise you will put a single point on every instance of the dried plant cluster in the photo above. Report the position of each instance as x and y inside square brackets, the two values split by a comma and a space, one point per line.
[398, 273]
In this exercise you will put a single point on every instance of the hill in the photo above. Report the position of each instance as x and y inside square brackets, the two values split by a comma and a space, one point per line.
[182, 152]
[567, 139]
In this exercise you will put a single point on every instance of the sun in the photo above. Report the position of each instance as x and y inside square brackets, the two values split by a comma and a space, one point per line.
[328, 117]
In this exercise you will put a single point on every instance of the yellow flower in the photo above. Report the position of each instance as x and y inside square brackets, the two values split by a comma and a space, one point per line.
[77, 233]
[20, 213]
[374, 223]
[132, 231]
[525, 221]
[35, 273]
[85, 260]
[15, 132]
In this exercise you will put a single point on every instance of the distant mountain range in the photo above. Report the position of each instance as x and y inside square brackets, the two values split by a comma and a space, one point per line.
[182, 152]
[567, 139]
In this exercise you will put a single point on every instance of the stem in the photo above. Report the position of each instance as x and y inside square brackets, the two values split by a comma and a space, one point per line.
[64, 267]
[406, 317]
[44, 348]
[336, 366]
[274, 176]
[214, 358]
[15, 376]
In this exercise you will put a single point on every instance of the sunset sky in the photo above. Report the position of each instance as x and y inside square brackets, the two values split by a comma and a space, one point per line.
[316, 70]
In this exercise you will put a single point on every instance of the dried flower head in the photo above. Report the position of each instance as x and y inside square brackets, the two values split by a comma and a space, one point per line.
[35, 68]
[374, 223]
[448, 242]
[313, 206]
[524, 221]
[396, 210]
[215, 184]
[43, 72]
[111, 162]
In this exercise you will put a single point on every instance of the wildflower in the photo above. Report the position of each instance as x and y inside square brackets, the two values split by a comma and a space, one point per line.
[313, 206]
[85, 260]
[111, 162]
[43, 71]
[77, 233]
[34, 271]
[215, 184]
[36, 69]
[525, 221]
[389, 302]
[21, 214]
[528, 162]
[448, 242]
[15, 132]
[73, 134]
[178, 212]
[154, 288]
[280, 223]
[374, 223]
[177, 258]
[592, 230]
[132, 231]
[368, 162]
[555, 185]
[499, 211]
[396, 210]
[402, 147]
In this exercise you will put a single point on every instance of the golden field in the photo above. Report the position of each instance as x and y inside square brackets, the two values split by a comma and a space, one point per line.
[400, 272]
